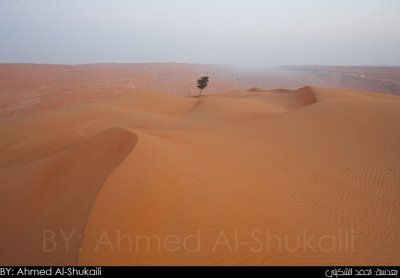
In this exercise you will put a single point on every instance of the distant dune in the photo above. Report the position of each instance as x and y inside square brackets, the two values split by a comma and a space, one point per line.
[26, 88]
[244, 177]
[373, 78]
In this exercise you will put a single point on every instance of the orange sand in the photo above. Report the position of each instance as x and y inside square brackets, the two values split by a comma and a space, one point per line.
[238, 178]
[26, 88]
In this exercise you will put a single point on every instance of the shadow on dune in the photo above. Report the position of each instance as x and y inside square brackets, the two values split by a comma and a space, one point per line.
[45, 204]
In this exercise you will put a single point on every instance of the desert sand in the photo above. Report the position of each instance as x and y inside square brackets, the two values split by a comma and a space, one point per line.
[27, 88]
[244, 177]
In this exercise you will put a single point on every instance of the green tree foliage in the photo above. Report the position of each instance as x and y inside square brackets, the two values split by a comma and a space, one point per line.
[202, 83]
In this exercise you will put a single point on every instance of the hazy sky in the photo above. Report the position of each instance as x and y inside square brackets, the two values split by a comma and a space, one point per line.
[244, 32]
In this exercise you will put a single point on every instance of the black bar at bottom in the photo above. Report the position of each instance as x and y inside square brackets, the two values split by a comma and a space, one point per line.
[106, 271]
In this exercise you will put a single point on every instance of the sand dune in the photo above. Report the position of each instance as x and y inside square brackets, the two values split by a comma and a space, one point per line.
[55, 194]
[247, 177]
[28, 88]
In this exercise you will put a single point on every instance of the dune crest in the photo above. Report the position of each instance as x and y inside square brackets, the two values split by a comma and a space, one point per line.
[284, 163]
[53, 197]
[238, 166]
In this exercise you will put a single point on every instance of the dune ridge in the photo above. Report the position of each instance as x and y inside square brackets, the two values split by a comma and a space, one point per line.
[313, 160]
[55, 194]
[29, 88]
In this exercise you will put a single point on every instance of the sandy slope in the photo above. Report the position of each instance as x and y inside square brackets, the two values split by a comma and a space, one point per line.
[255, 177]
[28, 88]
[55, 194]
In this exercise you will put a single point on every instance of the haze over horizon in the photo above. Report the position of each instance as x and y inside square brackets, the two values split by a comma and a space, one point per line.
[249, 33]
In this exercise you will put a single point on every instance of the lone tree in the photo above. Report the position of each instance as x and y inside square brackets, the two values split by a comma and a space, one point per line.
[202, 83]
